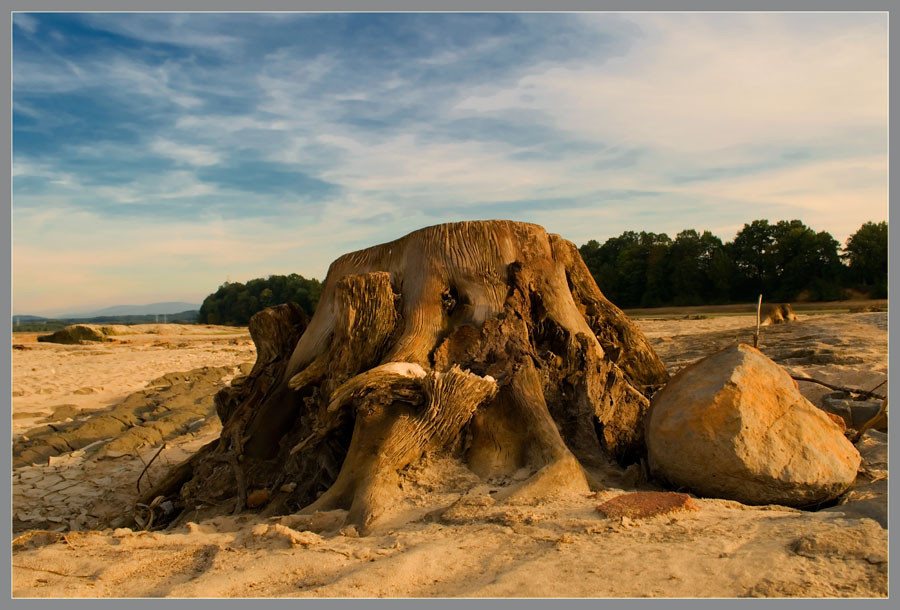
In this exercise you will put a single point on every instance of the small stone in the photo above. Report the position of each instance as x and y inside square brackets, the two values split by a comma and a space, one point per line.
[643, 504]
[288, 487]
[57, 460]
[257, 498]
[350, 532]
[122, 532]
[260, 529]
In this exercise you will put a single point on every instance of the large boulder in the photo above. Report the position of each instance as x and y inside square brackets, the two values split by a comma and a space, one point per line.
[735, 426]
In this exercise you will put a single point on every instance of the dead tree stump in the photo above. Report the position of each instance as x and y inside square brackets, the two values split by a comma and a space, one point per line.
[488, 339]
[778, 313]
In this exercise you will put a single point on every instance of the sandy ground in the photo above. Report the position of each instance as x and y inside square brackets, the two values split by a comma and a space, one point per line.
[88, 418]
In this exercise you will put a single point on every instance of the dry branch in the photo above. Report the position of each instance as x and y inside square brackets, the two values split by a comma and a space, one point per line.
[758, 312]
[146, 466]
[840, 388]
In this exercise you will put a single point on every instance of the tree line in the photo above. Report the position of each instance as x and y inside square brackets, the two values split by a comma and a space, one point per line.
[784, 261]
[234, 303]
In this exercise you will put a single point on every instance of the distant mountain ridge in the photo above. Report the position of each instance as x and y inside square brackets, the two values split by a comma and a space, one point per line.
[38, 324]
[169, 307]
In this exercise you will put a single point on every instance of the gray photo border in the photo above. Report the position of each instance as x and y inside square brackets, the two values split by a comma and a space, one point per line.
[416, 6]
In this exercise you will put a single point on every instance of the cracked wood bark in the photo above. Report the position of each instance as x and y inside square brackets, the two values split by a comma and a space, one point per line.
[490, 339]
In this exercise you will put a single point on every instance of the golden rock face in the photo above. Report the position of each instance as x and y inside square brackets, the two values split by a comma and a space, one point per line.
[735, 426]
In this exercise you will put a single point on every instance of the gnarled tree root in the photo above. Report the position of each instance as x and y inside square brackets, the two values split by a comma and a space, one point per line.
[391, 432]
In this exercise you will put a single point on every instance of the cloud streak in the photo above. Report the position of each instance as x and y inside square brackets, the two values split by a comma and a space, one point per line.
[301, 136]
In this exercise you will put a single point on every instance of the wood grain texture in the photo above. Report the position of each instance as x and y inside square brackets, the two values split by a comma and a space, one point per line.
[487, 339]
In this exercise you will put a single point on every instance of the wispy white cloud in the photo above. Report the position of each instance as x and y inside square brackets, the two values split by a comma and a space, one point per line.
[698, 87]
[178, 29]
[185, 153]
[243, 145]
[26, 22]
[150, 81]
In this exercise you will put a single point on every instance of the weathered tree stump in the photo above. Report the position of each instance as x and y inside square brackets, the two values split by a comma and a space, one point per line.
[778, 313]
[488, 339]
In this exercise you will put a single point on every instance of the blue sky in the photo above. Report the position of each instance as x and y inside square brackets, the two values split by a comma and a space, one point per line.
[156, 155]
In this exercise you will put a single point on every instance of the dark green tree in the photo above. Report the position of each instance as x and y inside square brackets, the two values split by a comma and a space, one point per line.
[699, 270]
[783, 261]
[751, 252]
[867, 257]
[804, 262]
[721, 273]
[235, 303]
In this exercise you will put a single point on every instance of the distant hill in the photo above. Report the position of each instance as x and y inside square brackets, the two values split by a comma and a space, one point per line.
[172, 307]
[25, 319]
[39, 324]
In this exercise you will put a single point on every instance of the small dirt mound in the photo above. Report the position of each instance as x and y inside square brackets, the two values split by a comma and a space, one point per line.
[75, 334]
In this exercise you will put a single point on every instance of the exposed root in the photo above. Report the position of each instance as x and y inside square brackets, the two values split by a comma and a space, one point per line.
[231, 459]
[391, 433]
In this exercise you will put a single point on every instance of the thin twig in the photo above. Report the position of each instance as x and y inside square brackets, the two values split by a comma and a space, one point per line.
[839, 387]
[69, 542]
[52, 571]
[876, 387]
[140, 457]
[333, 550]
[146, 466]
[758, 311]
[871, 422]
